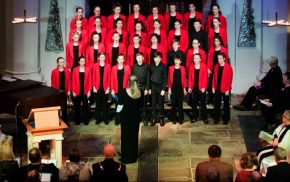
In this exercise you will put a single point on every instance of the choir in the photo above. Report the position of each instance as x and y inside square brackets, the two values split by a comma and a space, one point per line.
[102, 52]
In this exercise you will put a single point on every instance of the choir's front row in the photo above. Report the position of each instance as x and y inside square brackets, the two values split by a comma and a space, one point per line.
[101, 80]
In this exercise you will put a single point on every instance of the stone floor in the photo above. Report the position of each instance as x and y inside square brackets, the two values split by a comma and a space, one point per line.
[181, 147]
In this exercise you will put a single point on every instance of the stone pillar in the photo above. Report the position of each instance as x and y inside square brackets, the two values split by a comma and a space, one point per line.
[22, 59]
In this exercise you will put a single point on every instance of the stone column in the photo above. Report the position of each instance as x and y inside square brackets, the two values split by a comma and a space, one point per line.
[22, 58]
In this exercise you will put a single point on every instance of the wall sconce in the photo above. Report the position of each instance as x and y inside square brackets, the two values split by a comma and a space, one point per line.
[271, 23]
[24, 19]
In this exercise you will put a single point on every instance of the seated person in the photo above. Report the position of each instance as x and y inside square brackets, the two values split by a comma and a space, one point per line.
[281, 138]
[225, 170]
[8, 164]
[248, 163]
[36, 169]
[108, 169]
[281, 171]
[271, 81]
[278, 102]
[75, 170]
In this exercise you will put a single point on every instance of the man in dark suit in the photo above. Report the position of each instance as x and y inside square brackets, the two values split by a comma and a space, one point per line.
[272, 81]
[109, 170]
[225, 170]
[280, 172]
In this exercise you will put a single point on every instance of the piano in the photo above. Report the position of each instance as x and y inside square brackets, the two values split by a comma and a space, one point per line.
[20, 96]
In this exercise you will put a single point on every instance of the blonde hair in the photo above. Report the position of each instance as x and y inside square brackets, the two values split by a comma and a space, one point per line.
[6, 152]
[134, 88]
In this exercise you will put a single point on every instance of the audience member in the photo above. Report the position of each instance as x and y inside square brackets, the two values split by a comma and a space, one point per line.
[225, 170]
[37, 171]
[212, 174]
[278, 102]
[108, 169]
[281, 171]
[75, 170]
[8, 165]
[270, 82]
[248, 163]
[255, 176]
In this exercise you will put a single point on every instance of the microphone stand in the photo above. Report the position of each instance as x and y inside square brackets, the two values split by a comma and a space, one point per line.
[16, 132]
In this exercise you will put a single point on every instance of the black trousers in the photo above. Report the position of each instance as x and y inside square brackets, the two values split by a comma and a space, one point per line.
[251, 95]
[177, 104]
[81, 109]
[144, 109]
[157, 104]
[209, 90]
[199, 98]
[218, 97]
[101, 111]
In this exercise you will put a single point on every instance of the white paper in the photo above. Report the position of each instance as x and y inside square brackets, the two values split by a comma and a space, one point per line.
[45, 177]
[119, 108]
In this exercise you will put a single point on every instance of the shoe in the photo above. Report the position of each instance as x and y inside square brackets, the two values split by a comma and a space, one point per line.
[216, 122]
[180, 122]
[193, 120]
[162, 123]
[205, 121]
[225, 122]
[117, 123]
[106, 122]
[98, 122]
[174, 122]
[240, 107]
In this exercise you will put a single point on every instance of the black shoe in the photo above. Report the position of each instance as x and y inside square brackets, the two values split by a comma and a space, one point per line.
[216, 122]
[225, 122]
[162, 123]
[174, 122]
[117, 123]
[98, 122]
[205, 121]
[193, 120]
[240, 107]
[180, 122]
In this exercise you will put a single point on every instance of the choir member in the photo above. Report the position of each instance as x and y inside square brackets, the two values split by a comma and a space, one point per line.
[133, 50]
[162, 36]
[176, 89]
[139, 30]
[111, 24]
[102, 31]
[119, 28]
[172, 16]
[217, 31]
[190, 17]
[81, 90]
[221, 87]
[155, 47]
[114, 49]
[178, 34]
[195, 49]
[101, 88]
[97, 13]
[197, 85]
[79, 16]
[199, 34]
[135, 17]
[215, 12]
[83, 33]
[73, 50]
[94, 49]
[155, 16]
[172, 54]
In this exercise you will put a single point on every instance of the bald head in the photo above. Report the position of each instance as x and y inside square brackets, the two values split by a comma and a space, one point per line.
[109, 151]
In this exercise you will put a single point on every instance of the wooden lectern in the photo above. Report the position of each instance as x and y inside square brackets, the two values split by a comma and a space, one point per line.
[45, 124]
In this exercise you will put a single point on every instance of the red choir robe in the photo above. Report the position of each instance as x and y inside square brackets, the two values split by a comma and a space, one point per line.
[198, 15]
[223, 34]
[183, 40]
[110, 22]
[92, 22]
[160, 49]
[162, 37]
[69, 52]
[167, 19]
[84, 23]
[227, 78]
[130, 55]
[189, 57]
[84, 37]
[106, 76]
[55, 79]
[122, 50]
[131, 22]
[143, 41]
[202, 77]
[103, 34]
[76, 80]
[90, 54]
[171, 73]
[114, 77]
[223, 22]
[150, 23]
[210, 57]
[124, 37]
